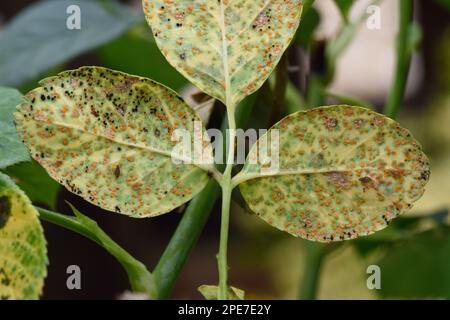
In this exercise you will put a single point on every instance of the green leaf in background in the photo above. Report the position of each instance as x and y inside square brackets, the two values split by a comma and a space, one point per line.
[35, 182]
[136, 52]
[342, 172]
[11, 148]
[38, 39]
[226, 48]
[344, 7]
[309, 23]
[418, 267]
[445, 3]
[23, 252]
[109, 137]
[212, 292]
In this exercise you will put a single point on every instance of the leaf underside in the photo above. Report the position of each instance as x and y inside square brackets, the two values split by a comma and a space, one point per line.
[227, 48]
[23, 263]
[212, 292]
[343, 172]
[107, 136]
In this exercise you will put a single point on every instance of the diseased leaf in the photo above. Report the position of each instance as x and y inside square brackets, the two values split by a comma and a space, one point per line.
[23, 263]
[35, 182]
[227, 48]
[39, 37]
[343, 172]
[110, 138]
[12, 149]
[212, 292]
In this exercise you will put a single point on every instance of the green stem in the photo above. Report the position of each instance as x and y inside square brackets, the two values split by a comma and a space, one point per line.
[193, 221]
[404, 55]
[184, 239]
[315, 96]
[313, 261]
[226, 201]
[141, 280]
[222, 255]
[67, 222]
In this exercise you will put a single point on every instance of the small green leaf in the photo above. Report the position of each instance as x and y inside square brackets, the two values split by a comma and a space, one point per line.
[342, 172]
[23, 264]
[226, 48]
[35, 182]
[212, 292]
[12, 150]
[109, 137]
[38, 38]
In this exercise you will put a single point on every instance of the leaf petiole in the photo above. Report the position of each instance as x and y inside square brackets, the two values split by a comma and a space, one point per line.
[141, 280]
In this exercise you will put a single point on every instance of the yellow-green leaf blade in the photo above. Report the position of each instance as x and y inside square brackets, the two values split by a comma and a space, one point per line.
[108, 137]
[343, 172]
[227, 48]
[23, 262]
[212, 292]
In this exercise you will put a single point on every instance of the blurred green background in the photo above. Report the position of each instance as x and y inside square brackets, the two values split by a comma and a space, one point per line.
[413, 253]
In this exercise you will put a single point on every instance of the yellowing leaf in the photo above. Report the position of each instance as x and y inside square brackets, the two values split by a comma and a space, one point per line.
[343, 172]
[108, 137]
[212, 292]
[227, 48]
[23, 262]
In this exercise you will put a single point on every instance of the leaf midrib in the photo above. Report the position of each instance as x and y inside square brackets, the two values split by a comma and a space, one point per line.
[243, 177]
[150, 149]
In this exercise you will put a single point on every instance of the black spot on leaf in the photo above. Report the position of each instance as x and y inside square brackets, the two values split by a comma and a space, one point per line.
[5, 210]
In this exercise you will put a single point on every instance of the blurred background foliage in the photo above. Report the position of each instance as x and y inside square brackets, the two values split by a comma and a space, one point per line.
[334, 52]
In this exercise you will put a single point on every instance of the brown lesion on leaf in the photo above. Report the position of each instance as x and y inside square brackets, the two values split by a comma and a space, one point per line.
[340, 180]
[277, 194]
[5, 210]
[331, 123]
[117, 172]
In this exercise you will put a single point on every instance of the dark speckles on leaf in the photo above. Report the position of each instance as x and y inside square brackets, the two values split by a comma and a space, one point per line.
[119, 121]
[94, 112]
[365, 180]
[425, 175]
[5, 210]
[5, 280]
[117, 172]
